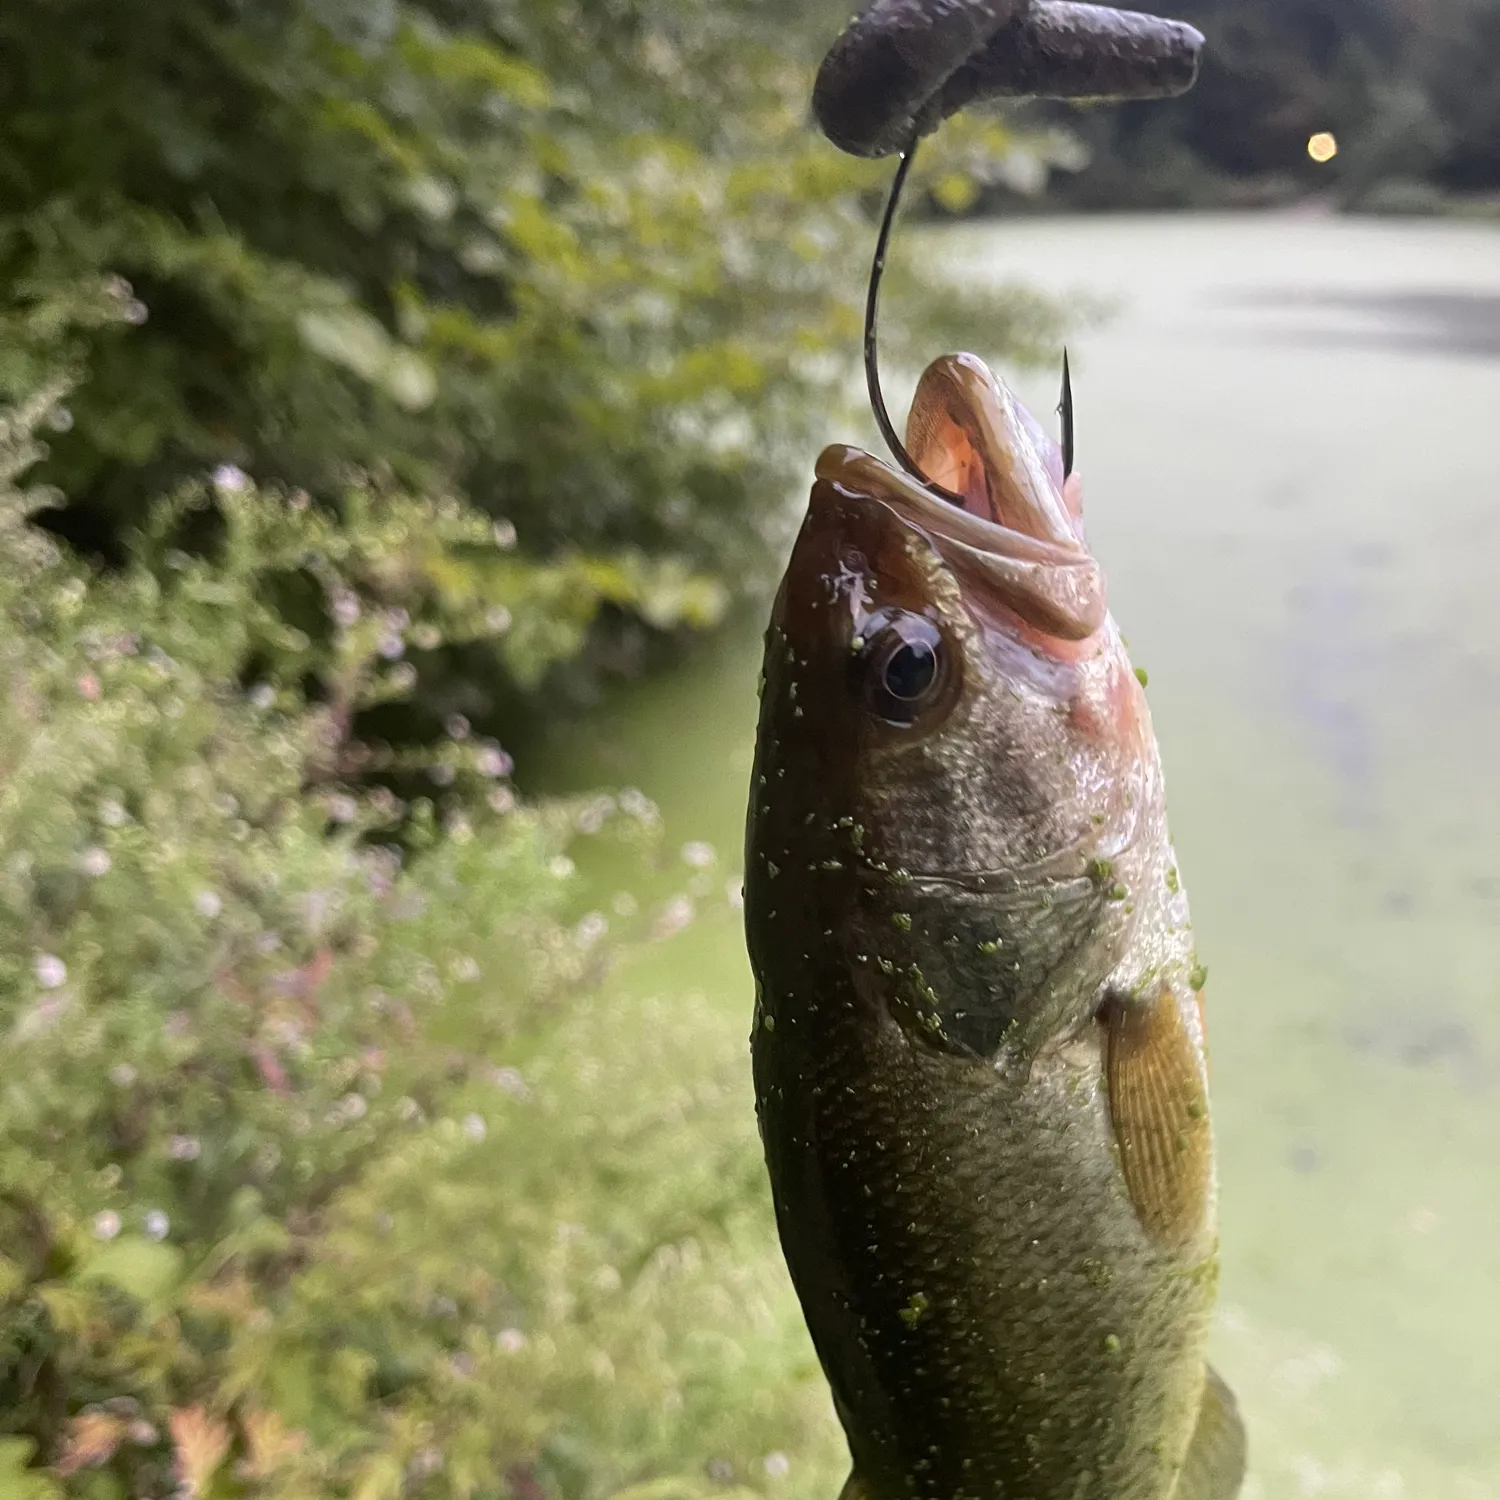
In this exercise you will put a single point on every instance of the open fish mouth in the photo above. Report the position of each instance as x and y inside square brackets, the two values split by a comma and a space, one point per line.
[1012, 530]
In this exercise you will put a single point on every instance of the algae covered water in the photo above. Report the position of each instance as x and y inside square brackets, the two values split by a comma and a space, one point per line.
[1284, 436]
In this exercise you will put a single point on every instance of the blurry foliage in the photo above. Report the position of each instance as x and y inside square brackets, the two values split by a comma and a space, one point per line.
[582, 264]
[368, 374]
[317, 1176]
[1405, 85]
[1451, 54]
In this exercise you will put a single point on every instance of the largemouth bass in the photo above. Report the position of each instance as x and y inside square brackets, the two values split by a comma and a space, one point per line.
[979, 1039]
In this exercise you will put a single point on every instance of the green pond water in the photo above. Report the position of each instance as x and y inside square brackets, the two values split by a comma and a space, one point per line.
[1286, 433]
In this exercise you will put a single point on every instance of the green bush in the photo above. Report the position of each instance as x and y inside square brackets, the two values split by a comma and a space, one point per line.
[377, 371]
[583, 265]
[318, 1177]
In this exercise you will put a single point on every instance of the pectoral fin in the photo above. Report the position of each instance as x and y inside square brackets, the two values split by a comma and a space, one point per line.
[854, 1488]
[1158, 1103]
[1215, 1465]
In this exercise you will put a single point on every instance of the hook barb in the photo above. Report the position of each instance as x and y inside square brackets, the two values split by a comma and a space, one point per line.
[1065, 411]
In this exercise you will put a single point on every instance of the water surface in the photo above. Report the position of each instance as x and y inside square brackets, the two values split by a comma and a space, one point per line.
[1286, 440]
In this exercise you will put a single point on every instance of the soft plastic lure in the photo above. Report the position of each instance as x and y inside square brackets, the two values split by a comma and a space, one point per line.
[902, 67]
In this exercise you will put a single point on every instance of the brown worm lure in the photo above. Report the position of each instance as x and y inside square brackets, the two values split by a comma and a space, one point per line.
[902, 67]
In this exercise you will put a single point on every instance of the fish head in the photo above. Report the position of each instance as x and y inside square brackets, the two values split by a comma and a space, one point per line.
[948, 711]
[949, 675]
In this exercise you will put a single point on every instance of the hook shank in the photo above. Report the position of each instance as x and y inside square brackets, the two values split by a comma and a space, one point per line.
[872, 332]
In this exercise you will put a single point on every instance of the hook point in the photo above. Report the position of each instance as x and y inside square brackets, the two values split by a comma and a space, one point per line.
[1065, 411]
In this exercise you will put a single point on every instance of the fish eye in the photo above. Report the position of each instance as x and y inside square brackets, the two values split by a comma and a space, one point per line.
[903, 666]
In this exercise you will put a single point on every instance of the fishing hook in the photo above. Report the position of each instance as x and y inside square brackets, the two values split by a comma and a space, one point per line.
[872, 316]
[872, 349]
[1065, 411]
[904, 66]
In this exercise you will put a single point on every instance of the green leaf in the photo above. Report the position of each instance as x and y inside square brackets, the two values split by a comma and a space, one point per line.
[348, 336]
[147, 1270]
[17, 1480]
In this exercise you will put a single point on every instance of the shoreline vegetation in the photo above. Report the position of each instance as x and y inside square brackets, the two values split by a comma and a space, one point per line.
[379, 384]
[1376, 106]
[1389, 105]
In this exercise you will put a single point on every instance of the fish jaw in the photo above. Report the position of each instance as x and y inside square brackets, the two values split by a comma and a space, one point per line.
[1005, 515]
[969, 433]
[1046, 683]
[1025, 807]
[1054, 587]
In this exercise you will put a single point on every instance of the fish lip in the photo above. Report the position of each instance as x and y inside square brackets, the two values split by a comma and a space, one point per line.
[1021, 478]
[860, 473]
[1056, 586]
